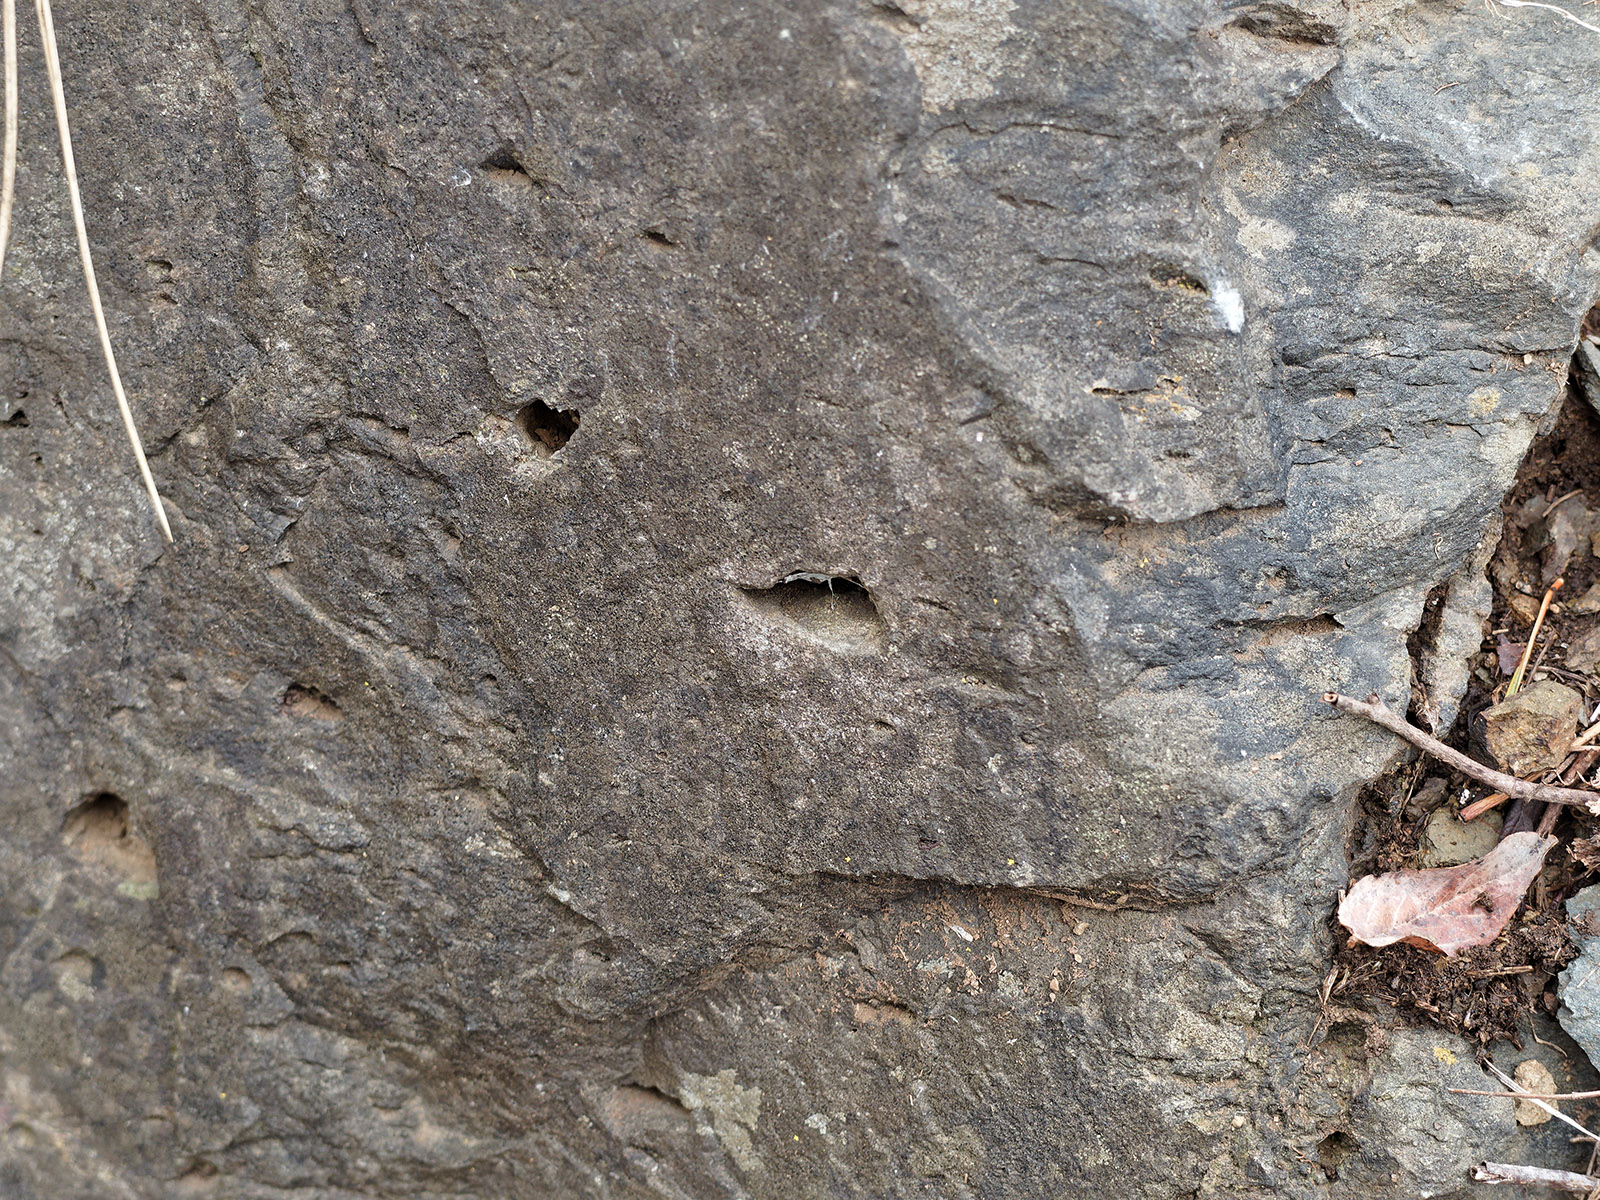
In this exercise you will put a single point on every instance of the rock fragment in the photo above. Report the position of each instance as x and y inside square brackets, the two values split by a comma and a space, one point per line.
[1531, 731]
[1579, 985]
[1584, 652]
[1535, 1077]
[1448, 841]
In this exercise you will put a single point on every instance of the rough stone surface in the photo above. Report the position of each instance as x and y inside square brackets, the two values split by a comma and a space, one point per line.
[1463, 604]
[1448, 841]
[1584, 652]
[1431, 1129]
[1533, 730]
[1587, 362]
[1533, 1076]
[475, 805]
[1579, 987]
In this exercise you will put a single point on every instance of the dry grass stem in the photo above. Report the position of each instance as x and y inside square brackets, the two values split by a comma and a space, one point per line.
[1522, 1093]
[1528, 1095]
[1533, 638]
[52, 60]
[1557, 9]
[8, 172]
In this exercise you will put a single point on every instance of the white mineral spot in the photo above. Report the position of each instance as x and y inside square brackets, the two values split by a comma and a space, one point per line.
[1230, 305]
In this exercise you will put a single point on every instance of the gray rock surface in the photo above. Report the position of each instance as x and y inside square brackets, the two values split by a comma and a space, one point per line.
[1579, 988]
[526, 818]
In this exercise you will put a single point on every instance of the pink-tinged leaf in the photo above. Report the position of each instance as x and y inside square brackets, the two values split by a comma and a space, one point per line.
[1446, 908]
[1509, 654]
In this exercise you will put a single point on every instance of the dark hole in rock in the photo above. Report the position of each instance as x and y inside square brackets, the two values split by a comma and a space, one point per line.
[834, 611]
[18, 420]
[97, 831]
[659, 238]
[547, 429]
[307, 703]
[1333, 1150]
[1168, 276]
[881, 1013]
[199, 1179]
[505, 166]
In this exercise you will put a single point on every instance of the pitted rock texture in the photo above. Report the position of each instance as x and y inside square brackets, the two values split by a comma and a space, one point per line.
[752, 585]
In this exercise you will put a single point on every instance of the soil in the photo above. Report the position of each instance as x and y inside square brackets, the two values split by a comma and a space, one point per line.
[1485, 993]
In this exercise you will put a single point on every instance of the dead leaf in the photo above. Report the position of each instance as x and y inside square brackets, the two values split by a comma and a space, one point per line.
[1509, 654]
[1448, 908]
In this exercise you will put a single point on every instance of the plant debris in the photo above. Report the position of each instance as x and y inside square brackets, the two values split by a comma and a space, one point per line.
[1485, 992]
[1446, 908]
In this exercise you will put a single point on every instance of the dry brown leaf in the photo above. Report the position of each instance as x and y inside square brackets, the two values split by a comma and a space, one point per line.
[1447, 908]
[1509, 654]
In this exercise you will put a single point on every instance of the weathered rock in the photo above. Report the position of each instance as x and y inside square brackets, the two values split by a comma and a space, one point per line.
[1432, 1132]
[1583, 654]
[1533, 730]
[1454, 629]
[1587, 372]
[1566, 532]
[1589, 602]
[525, 822]
[1579, 986]
[1448, 841]
[1533, 1076]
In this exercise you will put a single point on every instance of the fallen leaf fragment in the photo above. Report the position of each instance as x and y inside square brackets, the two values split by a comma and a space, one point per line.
[1447, 908]
[1509, 654]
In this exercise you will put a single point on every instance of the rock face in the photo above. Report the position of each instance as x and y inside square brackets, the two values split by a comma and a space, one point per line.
[1580, 983]
[752, 585]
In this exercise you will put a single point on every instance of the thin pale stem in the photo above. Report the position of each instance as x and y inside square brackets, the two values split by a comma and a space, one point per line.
[1560, 12]
[1525, 1095]
[52, 60]
[1533, 639]
[8, 172]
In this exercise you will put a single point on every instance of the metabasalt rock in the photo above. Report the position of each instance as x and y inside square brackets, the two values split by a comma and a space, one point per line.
[752, 585]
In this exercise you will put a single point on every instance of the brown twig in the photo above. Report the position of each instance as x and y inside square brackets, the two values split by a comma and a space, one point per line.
[1566, 1181]
[1374, 710]
[1585, 759]
[1478, 807]
[1557, 503]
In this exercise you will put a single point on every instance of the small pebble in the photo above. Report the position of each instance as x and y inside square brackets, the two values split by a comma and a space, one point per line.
[1535, 1077]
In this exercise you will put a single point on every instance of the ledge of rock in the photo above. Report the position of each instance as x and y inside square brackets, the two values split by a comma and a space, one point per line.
[752, 585]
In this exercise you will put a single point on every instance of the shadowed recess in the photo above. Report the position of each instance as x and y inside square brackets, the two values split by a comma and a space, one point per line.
[98, 833]
[833, 611]
[546, 429]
